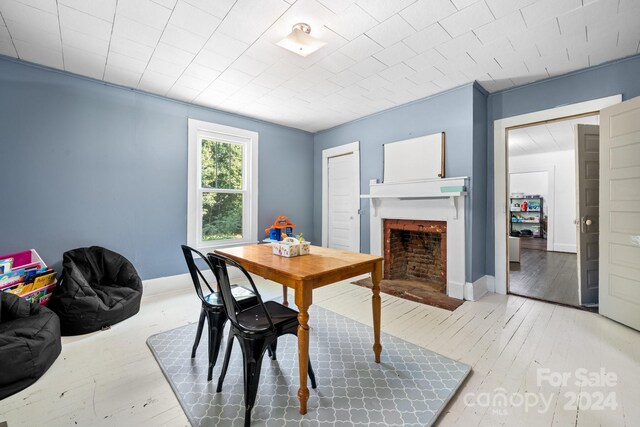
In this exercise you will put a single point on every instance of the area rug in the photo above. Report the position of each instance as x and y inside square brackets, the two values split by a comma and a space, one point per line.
[410, 387]
[413, 290]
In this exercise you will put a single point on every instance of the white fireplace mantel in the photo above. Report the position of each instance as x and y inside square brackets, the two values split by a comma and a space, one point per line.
[431, 200]
[441, 188]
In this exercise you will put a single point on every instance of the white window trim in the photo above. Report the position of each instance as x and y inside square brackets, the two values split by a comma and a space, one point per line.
[249, 139]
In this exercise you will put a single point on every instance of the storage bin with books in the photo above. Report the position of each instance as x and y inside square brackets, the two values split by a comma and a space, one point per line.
[25, 274]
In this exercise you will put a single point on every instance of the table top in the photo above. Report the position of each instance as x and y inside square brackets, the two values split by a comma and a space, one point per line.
[320, 266]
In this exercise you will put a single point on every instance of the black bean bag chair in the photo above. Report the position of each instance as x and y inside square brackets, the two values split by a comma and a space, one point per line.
[98, 288]
[29, 342]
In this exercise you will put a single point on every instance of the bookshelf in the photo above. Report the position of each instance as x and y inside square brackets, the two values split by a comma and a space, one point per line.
[526, 216]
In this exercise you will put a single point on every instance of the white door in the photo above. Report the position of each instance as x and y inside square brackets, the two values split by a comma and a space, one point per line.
[343, 203]
[620, 213]
[588, 186]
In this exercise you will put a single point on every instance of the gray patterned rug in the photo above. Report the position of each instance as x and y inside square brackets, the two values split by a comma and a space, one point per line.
[410, 387]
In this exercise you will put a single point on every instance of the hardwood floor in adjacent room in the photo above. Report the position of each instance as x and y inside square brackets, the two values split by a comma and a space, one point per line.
[549, 276]
[110, 378]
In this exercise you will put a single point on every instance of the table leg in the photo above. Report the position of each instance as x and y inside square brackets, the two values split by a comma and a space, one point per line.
[285, 296]
[303, 301]
[376, 277]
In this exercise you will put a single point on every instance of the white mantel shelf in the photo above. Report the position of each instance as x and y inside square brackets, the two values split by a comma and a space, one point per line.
[425, 189]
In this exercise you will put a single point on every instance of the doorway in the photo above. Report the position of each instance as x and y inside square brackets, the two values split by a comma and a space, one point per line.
[341, 197]
[542, 206]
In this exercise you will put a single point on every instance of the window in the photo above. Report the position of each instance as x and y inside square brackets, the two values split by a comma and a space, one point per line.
[223, 192]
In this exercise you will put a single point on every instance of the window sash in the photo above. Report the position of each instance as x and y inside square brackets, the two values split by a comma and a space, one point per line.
[227, 139]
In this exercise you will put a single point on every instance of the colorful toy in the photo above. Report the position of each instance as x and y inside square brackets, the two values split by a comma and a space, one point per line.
[281, 228]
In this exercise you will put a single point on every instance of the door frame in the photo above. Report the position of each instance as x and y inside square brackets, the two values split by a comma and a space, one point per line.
[341, 150]
[500, 170]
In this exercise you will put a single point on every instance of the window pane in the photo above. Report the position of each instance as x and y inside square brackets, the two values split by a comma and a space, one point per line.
[221, 216]
[221, 165]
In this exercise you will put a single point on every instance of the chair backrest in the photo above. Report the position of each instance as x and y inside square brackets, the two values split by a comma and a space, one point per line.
[194, 271]
[219, 267]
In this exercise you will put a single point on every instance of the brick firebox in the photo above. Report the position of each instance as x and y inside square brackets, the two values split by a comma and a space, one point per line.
[416, 250]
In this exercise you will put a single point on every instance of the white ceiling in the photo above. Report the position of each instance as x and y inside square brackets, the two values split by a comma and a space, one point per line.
[545, 138]
[380, 53]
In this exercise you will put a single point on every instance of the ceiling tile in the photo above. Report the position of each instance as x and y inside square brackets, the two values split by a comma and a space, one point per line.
[29, 17]
[169, 4]
[201, 72]
[425, 60]
[218, 8]
[425, 76]
[397, 72]
[544, 10]
[424, 13]
[38, 54]
[173, 55]
[183, 39]
[6, 45]
[461, 4]
[33, 35]
[103, 9]
[459, 45]
[225, 45]
[337, 6]
[167, 68]
[81, 62]
[500, 28]
[467, 19]
[427, 38]
[352, 22]
[360, 48]
[195, 20]
[501, 8]
[182, 93]
[130, 48]
[336, 62]
[145, 12]
[368, 67]
[250, 66]
[391, 31]
[235, 77]
[248, 19]
[139, 33]
[121, 76]
[373, 82]
[45, 5]
[345, 78]
[383, 9]
[84, 23]
[85, 42]
[126, 62]
[154, 82]
[393, 55]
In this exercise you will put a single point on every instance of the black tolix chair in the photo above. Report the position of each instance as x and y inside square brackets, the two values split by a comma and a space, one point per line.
[212, 307]
[257, 330]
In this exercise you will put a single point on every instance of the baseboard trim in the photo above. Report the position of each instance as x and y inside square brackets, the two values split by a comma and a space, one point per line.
[456, 290]
[476, 290]
[167, 284]
[561, 247]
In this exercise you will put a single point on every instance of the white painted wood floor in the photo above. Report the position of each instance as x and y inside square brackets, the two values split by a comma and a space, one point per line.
[110, 378]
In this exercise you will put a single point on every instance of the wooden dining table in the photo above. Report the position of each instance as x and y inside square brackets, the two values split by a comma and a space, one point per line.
[323, 266]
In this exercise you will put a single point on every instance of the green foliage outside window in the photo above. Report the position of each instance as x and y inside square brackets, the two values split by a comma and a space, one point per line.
[221, 168]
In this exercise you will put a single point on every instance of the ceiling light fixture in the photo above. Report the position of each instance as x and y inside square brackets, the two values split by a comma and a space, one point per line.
[300, 42]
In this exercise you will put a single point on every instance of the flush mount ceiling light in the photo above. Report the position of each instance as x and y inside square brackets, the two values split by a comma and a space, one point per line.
[300, 42]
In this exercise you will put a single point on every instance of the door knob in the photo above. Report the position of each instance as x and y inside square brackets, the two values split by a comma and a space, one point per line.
[588, 222]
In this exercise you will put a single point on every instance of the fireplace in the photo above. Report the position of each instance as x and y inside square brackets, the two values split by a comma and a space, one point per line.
[416, 250]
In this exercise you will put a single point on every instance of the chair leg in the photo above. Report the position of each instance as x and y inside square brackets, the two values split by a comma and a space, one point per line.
[312, 375]
[216, 330]
[198, 333]
[272, 349]
[225, 365]
[252, 353]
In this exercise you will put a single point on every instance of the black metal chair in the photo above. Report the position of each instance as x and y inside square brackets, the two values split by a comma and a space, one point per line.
[212, 307]
[257, 329]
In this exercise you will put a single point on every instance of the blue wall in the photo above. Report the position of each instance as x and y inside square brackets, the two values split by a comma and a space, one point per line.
[452, 112]
[620, 77]
[86, 163]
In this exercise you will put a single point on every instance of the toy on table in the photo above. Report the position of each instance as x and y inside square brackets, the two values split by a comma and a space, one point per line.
[281, 228]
